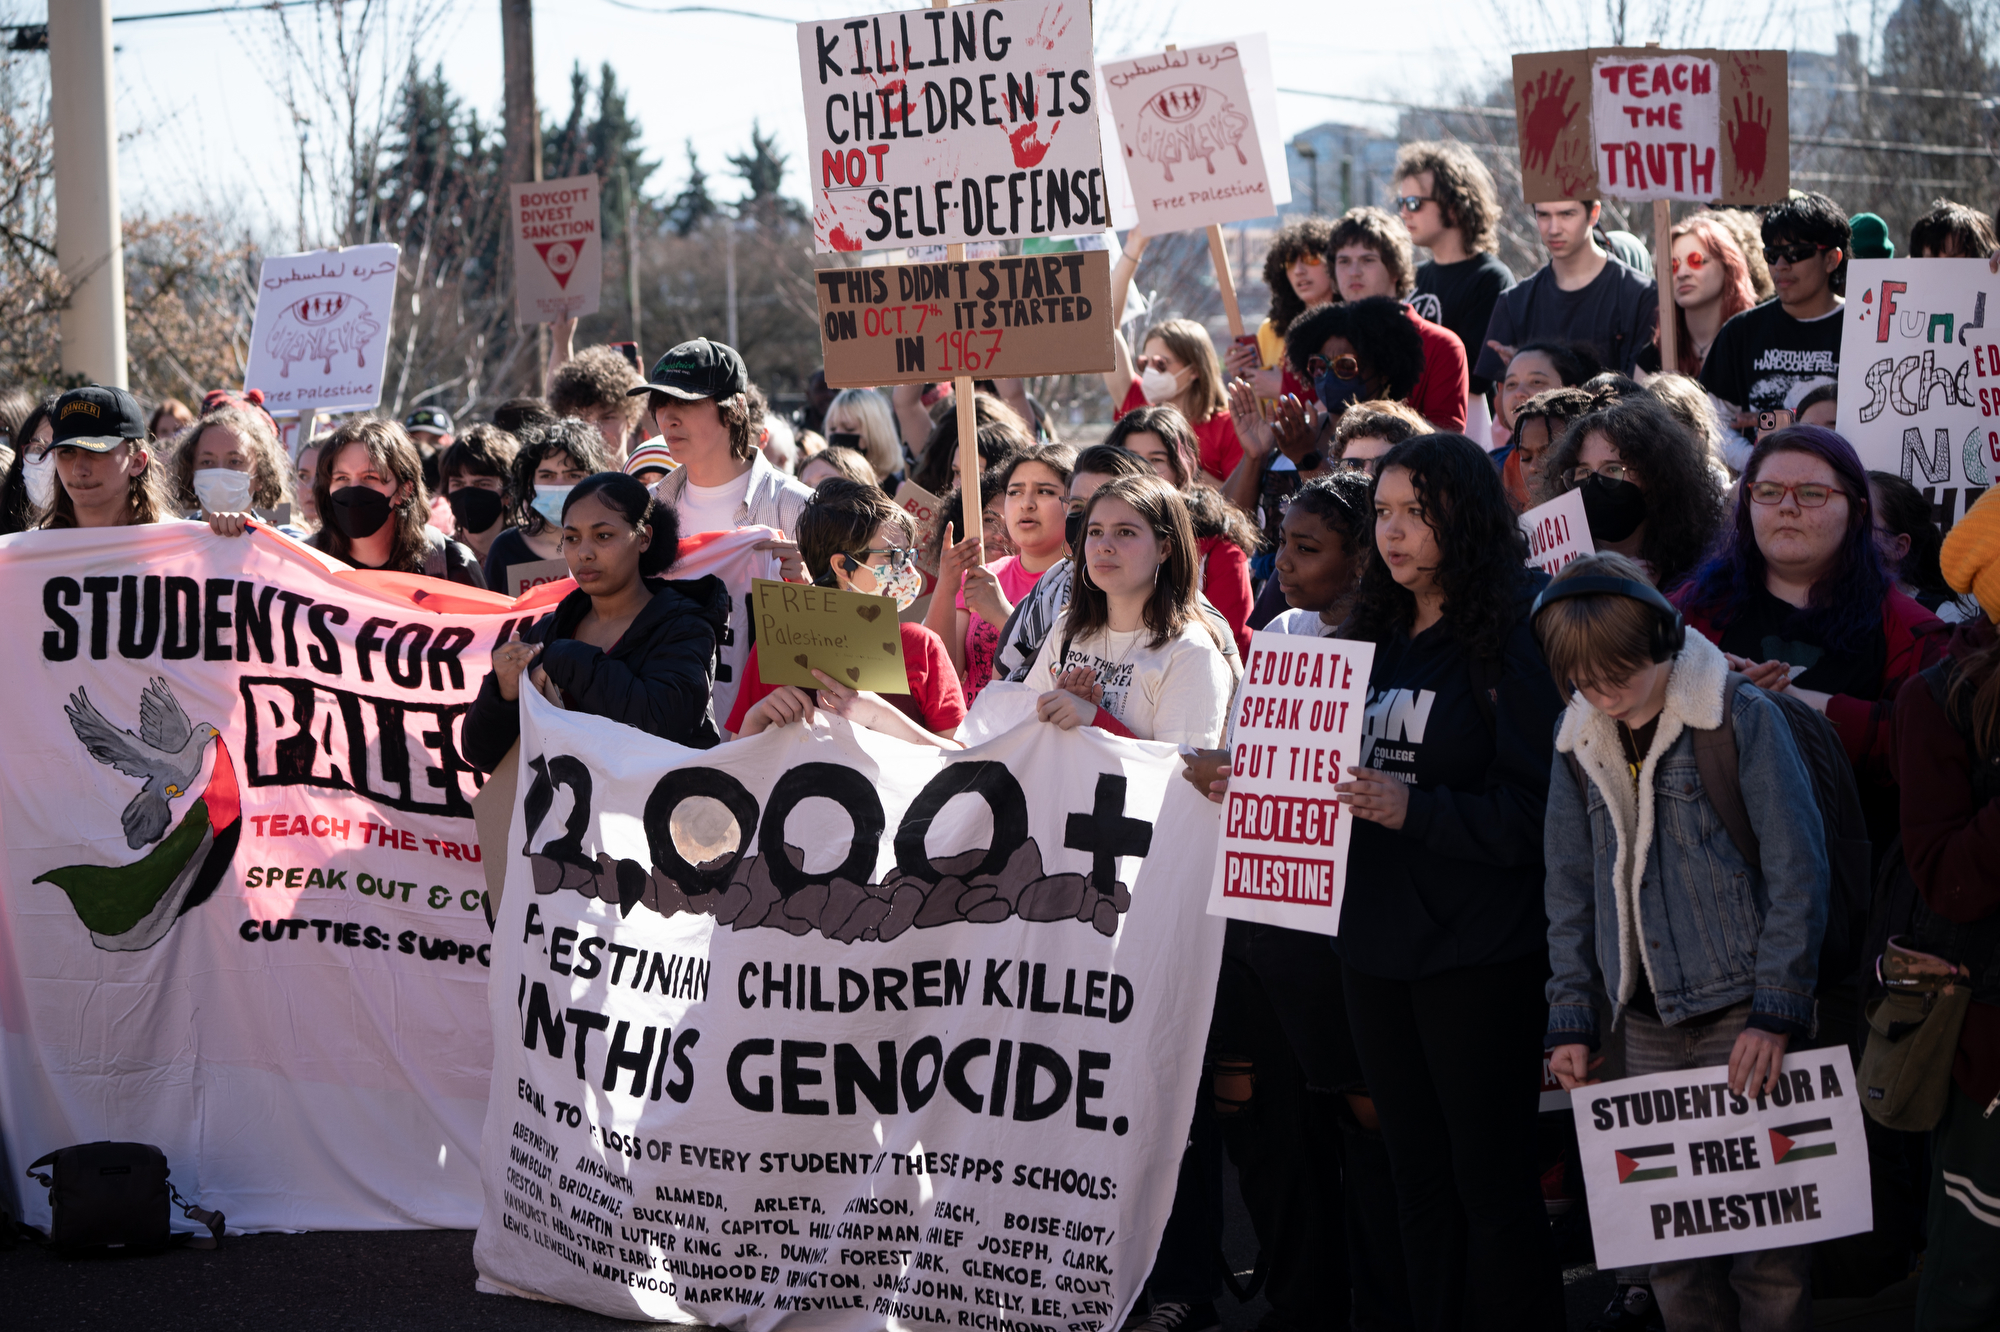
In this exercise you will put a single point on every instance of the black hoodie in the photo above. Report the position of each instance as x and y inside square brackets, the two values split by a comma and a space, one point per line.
[658, 677]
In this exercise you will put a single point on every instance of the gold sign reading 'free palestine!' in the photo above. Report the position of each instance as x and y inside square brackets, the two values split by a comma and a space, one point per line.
[854, 638]
[1039, 314]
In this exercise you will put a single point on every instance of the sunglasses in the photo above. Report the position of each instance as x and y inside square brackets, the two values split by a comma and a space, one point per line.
[1344, 367]
[1412, 203]
[1809, 495]
[1796, 253]
[1366, 466]
[1696, 261]
[1309, 259]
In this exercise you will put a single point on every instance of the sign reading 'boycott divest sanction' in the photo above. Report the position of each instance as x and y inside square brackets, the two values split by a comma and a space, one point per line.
[935, 126]
[1678, 1166]
[1646, 123]
[820, 1028]
[915, 323]
[1920, 375]
[558, 248]
[320, 335]
[1295, 726]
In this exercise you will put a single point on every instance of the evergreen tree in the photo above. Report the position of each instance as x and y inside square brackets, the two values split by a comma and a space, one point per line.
[693, 206]
[763, 170]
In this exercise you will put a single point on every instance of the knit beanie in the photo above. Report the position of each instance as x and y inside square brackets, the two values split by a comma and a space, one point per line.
[650, 456]
[1971, 555]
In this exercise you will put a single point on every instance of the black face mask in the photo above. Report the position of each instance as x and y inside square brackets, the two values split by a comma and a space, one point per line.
[475, 508]
[358, 511]
[844, 439]
[1073, 530]
[1614, 509]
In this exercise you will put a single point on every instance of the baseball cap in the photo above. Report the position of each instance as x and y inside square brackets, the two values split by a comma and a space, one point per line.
[698, 369]
[97, 418]
[432, 420]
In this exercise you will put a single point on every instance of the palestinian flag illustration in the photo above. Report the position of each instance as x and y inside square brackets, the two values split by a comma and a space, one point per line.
[127, 908]
[1786, 1147]
[1630, 1157]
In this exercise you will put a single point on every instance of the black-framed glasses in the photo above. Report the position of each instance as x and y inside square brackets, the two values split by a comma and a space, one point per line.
[1412, 203]
[1344, 367]
[1795, 253]
[1809, 494]
[1613, 472]
[897, 556]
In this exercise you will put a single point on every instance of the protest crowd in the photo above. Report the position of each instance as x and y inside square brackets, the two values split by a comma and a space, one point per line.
[1547, 872]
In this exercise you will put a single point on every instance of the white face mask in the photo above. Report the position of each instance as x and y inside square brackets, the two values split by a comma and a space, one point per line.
[548, 502]
[1158, 386]
[221, 490]
[40, 475]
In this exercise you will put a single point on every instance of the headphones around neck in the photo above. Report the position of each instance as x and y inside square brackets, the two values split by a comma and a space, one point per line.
[1669, 628]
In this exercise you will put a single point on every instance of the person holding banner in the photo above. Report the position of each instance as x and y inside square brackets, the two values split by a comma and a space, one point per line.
[1134, 655]
[550, 461]
[106, 473]
[1696, 978]
[1176, 367]
[369, 489]
[1033, 488]
[628, 644]
[1648, 492]
[1443, 943]
[229, 462]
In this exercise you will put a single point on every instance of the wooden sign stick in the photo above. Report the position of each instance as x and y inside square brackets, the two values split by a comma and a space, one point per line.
[1663, 276]
[968, 429]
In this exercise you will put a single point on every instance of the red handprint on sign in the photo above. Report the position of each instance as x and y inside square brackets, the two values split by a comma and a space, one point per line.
[1749, 139]
[1544, 118]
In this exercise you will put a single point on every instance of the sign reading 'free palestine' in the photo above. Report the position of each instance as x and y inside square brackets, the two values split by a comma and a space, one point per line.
[853, 637]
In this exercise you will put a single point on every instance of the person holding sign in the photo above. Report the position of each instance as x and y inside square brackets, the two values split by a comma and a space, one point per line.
[369, 489]
[1443, 944]
[855, 538]
[1641, 689]
[1176, 367]
[1648, 492]
[1134, 655]
[628, 644]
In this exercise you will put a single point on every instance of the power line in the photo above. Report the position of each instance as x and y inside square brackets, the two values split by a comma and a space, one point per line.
[699, 9]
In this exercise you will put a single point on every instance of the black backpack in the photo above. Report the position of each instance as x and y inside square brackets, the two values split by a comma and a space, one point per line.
[110, 1195]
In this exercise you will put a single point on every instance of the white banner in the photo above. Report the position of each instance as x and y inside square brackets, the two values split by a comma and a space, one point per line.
[933, 126]
[1198, 134]
[320, 336]
[1678, 1166]
[558, 248]
[1920, 375]
[240, 915]
[1558, 532]
[820, 1027]
[1295, 724]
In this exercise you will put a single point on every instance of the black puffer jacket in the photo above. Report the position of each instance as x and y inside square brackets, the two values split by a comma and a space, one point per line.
[658, 677]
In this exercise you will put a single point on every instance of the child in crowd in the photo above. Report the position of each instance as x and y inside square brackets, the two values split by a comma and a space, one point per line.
[855, 538]
[1696, 978]
[1033, 485]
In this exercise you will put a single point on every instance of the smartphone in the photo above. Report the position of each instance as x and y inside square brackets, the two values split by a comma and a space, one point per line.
[1769, 421]
[630, 351]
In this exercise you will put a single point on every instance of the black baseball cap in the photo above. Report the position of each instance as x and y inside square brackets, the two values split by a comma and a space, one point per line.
[698, 369]
[96, 418]
[431, 420]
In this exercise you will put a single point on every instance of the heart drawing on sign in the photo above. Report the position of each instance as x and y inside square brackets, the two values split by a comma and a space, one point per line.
[854, 674]
[889, 648]
[800, 659]
[868, 613]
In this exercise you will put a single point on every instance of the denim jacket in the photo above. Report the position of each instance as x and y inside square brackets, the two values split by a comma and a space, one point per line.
[1653, 880]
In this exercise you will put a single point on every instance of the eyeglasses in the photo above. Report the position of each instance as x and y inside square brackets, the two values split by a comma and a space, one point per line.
[1696, 261]
[896, 556]
[1796, 253]
[1344, 367]
[1612, 472]
[1366, 466]
[1412, 203]
[1809, 495]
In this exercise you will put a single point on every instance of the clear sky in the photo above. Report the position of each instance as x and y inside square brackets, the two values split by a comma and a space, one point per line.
[202, 125]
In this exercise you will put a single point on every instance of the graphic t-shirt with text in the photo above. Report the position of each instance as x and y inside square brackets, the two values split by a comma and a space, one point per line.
[1764, 360]
[1177, 692]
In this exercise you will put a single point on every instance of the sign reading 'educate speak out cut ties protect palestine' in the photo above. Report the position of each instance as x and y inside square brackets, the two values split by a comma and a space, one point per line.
[935, 126]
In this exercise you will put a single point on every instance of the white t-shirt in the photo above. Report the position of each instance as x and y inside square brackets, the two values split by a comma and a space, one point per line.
[1300, 622]
[711, 508]
[1178, 692]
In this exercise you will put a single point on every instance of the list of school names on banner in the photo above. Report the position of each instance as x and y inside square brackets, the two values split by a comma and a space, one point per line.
[823, 1024]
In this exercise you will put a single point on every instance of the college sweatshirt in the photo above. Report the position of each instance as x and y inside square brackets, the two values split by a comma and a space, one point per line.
[1460, 883]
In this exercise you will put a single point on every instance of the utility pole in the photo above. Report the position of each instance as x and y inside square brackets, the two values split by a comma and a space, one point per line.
[89, 246]
[523, 157]
[631, 248]
[729, 272]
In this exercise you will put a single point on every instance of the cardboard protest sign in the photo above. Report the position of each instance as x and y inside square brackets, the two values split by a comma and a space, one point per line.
[1648, 123]
[1295, 726]
[558, 248]
[802, 627]
[534, 573]
[1920, 375]
[916, 323]
[1677, 1166]
[941, 126]
[1557, 532]
[320, 336]
[820, 1029]
[1197, 127]
[926, 512]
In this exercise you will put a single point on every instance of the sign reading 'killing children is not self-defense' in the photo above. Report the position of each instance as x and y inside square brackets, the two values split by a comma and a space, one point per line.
[936, 126]
[1006, 318]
